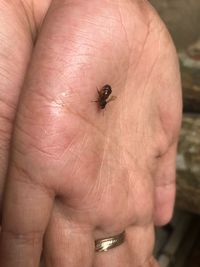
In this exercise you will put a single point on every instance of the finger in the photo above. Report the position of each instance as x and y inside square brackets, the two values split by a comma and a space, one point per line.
[133, 252]
[66, 243]
[16, 43]
[165, 187]
[15, 50]
[26, 212]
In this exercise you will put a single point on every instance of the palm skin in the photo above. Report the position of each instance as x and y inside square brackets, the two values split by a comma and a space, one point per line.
[77, 173]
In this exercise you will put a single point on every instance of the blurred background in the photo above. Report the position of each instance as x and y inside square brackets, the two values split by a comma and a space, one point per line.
[178, 243]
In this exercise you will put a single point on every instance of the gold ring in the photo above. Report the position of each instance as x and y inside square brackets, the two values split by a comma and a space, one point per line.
[110, 242]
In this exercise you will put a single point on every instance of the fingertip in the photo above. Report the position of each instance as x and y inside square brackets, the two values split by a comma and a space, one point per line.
[164, 204]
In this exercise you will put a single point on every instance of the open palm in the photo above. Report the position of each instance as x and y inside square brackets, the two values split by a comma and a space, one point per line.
[77, 172]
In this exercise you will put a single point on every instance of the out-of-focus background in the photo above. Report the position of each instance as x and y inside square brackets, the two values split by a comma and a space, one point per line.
[178, 243]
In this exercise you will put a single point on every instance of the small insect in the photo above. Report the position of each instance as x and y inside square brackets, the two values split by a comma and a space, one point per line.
[104, 94]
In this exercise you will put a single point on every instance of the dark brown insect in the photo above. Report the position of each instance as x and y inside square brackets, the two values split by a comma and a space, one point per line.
[104, 94]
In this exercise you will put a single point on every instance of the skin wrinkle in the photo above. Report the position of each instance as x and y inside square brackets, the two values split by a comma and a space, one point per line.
[39, 11]
[146, 85]
[100, 26]
[47, 101]
[165, 184]
[31, 238]
[6, 108]
[79, 66]
[93, 125]
[22, 17]
[7, 125]
[100, 178]
[36, 26]
[73, 225]
[95, 189]
[75, 210]
[19, 128]
[34, 21]
[123, 26]
[57, 58]
[87, 121]
[31, 22]
[113, 58]
[134, 223]
[68, 64]
[4, 145]
[26, 178]
[68, 149]
[4, 74]
[6, 120]
[7, 57]
[114, 62]
[38, 148]
[124, 161]
[84, 35]
[43, 151]
[138, 61]
[141, 53]
[131, 184]
[76, 165]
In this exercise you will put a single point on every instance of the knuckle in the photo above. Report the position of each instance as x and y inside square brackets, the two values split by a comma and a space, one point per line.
[34, 237]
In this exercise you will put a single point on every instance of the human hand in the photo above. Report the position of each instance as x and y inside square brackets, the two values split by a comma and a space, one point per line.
[77, 173]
